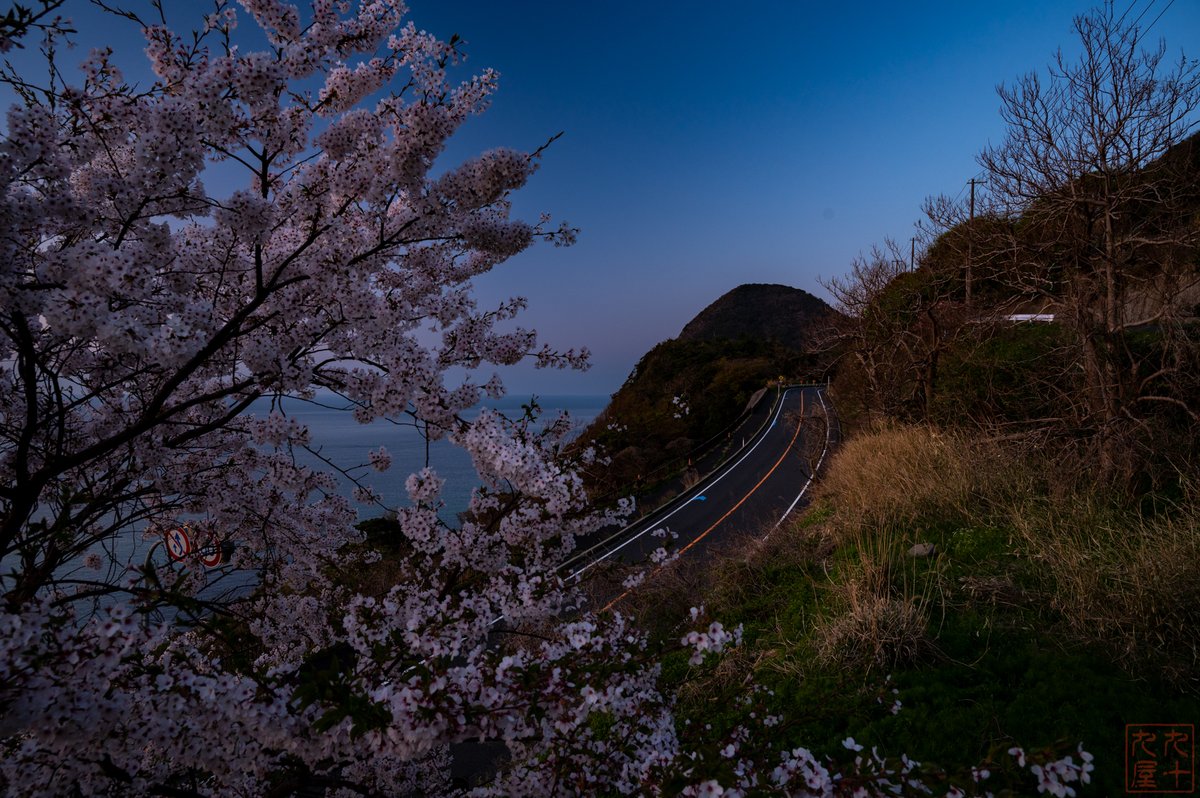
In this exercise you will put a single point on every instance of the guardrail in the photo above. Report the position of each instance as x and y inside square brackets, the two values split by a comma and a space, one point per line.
[679, 465]
[606, 546]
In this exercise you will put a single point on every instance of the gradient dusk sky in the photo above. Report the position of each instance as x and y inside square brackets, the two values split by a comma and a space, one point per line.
[707, 145]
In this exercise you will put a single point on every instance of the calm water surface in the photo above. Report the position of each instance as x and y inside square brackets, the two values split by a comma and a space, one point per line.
[337, 436]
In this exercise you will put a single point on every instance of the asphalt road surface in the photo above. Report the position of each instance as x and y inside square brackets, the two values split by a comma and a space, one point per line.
[752, 493]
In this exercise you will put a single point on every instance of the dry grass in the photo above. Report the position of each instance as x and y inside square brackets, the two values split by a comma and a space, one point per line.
[874, 631]
[879, 483]
[994, 590]
[896, 474]
[734, 671]
[880, 606]
[1127, 582]
[1130, 583]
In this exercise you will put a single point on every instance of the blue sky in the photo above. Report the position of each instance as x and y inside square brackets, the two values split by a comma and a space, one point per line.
[706, 145]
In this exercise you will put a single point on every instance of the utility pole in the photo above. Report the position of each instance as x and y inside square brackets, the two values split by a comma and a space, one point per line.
[912, 254]
[971, 239]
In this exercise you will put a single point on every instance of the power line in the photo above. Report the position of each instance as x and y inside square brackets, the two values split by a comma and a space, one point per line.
[1129, 8]
[959, 194]
[1133, 29]
[1160, 13]
[1149, 6]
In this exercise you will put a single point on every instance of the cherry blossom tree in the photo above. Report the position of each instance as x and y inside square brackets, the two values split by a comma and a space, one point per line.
[146, 316]
[143, 316]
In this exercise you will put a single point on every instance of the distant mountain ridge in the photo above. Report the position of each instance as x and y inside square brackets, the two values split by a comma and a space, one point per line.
[766, 311]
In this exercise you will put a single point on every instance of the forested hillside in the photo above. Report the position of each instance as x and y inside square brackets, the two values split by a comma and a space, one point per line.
[1108, 259]
[688, 389]
[788, 316]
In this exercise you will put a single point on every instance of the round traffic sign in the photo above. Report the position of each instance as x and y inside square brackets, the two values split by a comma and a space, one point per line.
[212, 555]
[179, 545]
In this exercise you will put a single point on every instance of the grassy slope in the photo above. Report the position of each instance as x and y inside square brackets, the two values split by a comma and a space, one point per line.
[993, 642]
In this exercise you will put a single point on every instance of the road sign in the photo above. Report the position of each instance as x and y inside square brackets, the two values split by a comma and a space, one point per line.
[212, 555]
[179, 545]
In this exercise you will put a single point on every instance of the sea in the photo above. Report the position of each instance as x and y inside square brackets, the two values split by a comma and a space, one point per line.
[335, 436]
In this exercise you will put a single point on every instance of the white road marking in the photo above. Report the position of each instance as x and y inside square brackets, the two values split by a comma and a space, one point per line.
[821, 459]
[661, 521]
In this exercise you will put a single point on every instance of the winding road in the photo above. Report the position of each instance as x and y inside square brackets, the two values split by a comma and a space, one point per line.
[753, 492]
